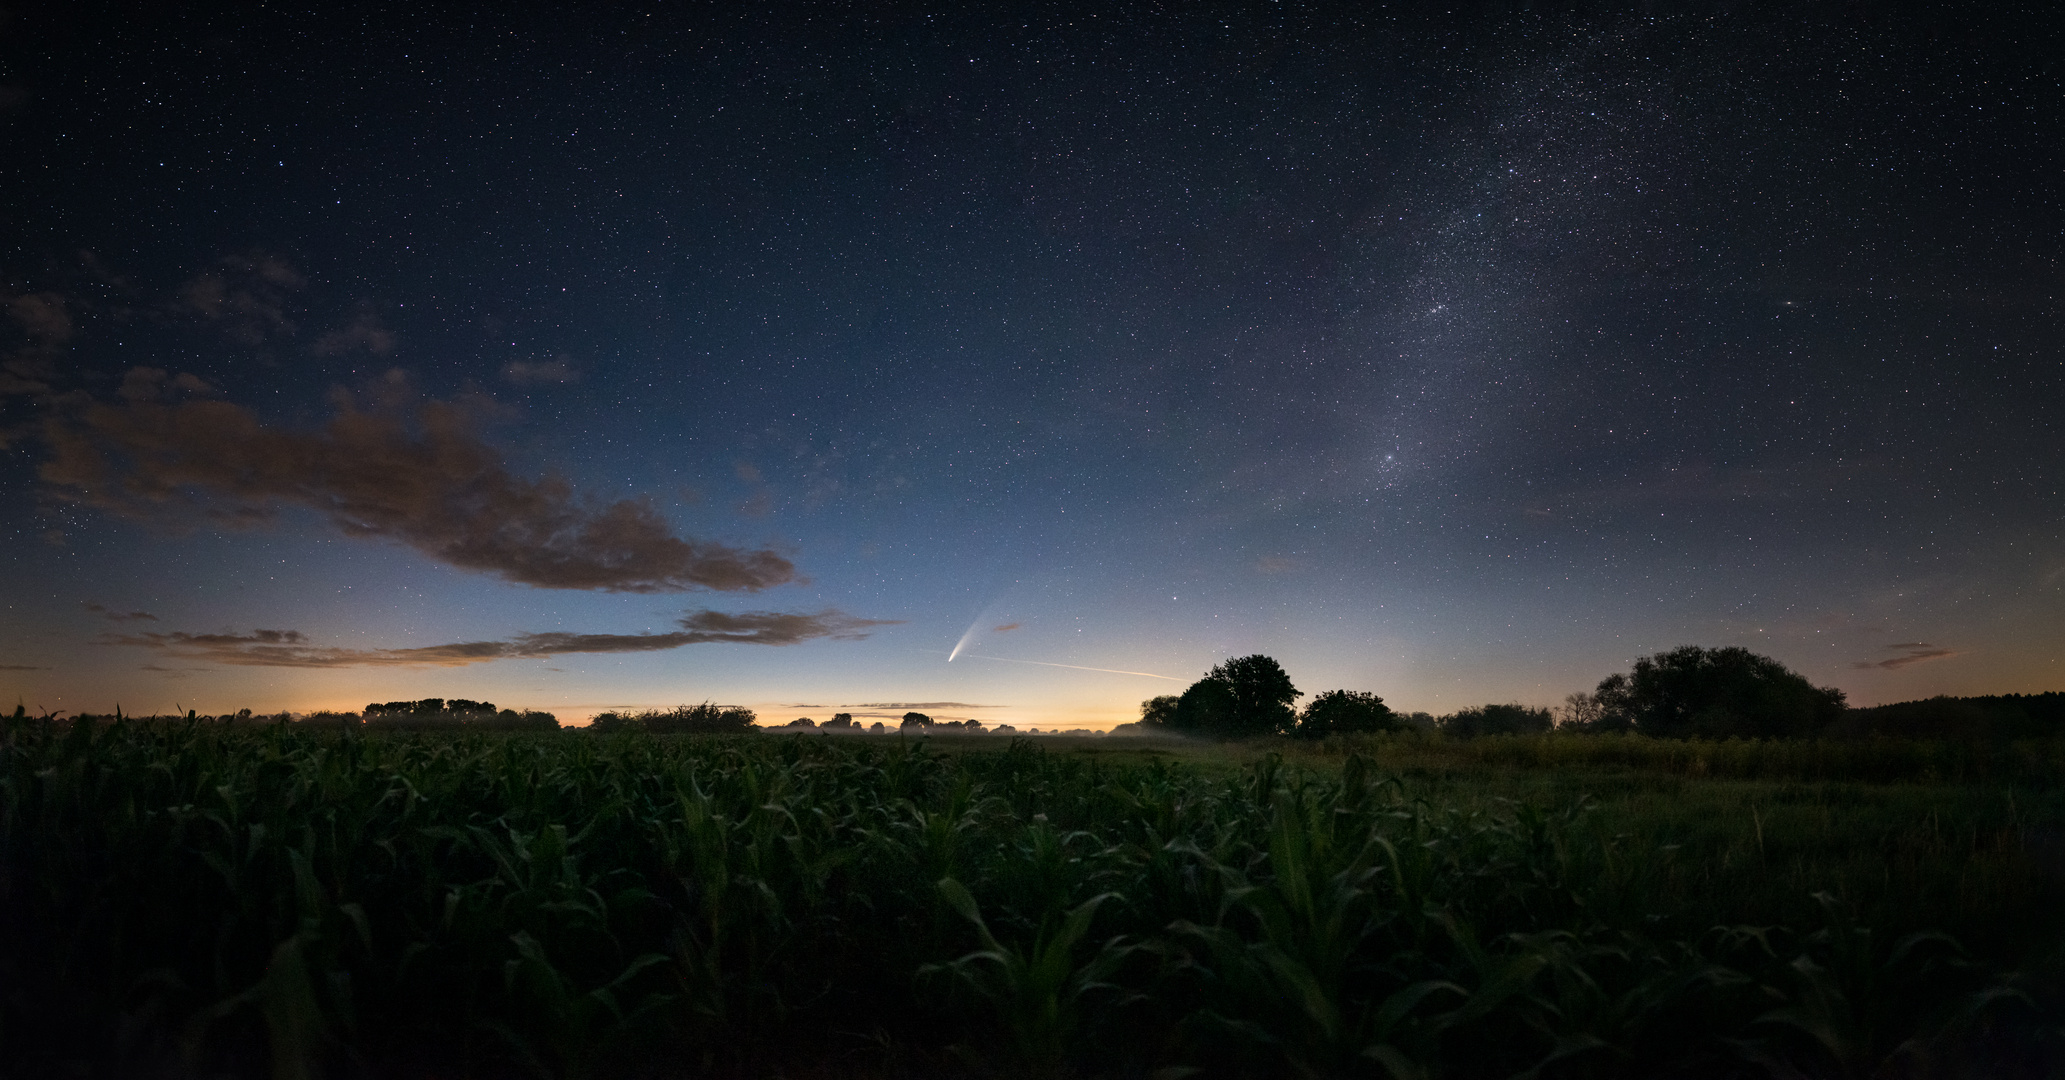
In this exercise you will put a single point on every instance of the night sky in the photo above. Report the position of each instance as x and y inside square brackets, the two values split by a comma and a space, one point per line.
[588, 357]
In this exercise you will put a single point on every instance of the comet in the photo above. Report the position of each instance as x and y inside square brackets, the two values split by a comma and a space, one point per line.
[965, 639]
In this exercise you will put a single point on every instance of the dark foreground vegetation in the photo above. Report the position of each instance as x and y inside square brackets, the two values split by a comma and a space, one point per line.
[192, 899]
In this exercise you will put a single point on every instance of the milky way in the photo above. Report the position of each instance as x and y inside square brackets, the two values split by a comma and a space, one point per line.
[1460, 359]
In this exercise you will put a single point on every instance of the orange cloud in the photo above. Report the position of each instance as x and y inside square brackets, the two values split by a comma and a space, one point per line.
[291, 648]
[1917, 652]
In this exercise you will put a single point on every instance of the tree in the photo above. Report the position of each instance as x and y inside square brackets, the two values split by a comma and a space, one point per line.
[1345, 712]
[1245, 696]
[1497, 720]
[608, 723]
[841, 720]
[1586, 713]
[1731, 692]
[1159, 712]
[703, 719]
[916, 720]
[1206, 708]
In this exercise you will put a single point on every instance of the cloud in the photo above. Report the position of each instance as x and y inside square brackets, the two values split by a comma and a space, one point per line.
[1006, 628]
[922, 705]
[1917, 652]
[43, 316]
[291, 648]
[150, 384]
[365, 331]
[22, 667]
[46, 325]
[775, 628]
[427, 482]
[118, 616]
[246, 296]
[536, 372]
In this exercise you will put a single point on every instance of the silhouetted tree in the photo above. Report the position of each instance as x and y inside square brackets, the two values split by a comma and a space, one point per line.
[703, 719]
[1345, 712]
[916, 720]
[607, 723]
[1998, 716]
[1497, 720]
[1248, 695]
[1159, 711]
[840, 720]
[1584, 712]
[1720, 693]
[434, 714]
[1206, 708]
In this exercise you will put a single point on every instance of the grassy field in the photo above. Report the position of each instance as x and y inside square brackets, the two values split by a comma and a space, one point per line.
[201, 899]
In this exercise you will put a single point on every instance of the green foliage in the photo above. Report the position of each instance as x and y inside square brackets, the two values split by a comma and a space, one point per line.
[432, 714]
[1713, 693]
[192, 898]
[1496, 720]
[1242, 697]
[1345, 712]
[703, 719]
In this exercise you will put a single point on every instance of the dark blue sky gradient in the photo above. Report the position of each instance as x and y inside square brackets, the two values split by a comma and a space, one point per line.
[1457, 356]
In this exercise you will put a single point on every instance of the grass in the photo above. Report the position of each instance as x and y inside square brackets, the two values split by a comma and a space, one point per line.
[201, 899]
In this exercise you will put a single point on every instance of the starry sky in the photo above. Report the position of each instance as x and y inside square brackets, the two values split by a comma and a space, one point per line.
[599, 356]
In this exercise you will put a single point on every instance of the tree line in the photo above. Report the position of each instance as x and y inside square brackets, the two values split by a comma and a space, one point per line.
[1687, 692]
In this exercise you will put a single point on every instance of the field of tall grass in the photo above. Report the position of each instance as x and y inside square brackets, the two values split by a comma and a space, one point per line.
[187, 899]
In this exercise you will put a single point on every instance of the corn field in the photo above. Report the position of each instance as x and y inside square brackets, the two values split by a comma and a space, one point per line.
[193, 899]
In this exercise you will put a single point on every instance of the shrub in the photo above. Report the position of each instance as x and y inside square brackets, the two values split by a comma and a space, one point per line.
[1716, 694]
[1345, 712]
[704, 719]
[1497, 720]
[1245, 696]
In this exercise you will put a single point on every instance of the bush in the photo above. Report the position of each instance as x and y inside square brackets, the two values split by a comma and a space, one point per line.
[434, 714]
[1159, 712]
[1242, 697]
[1692, 692]
[704, 719]
[1497, 720]
[1345, 712]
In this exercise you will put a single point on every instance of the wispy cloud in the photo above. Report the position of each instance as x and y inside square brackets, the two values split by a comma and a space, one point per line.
[22, 667]
[246, 296]
[1006, 628]
[365, 332]
[1913, 652]
[539, 372]
[119, 616]
[426, 481]
[291, 648]
[922, 705]
[31, 367]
